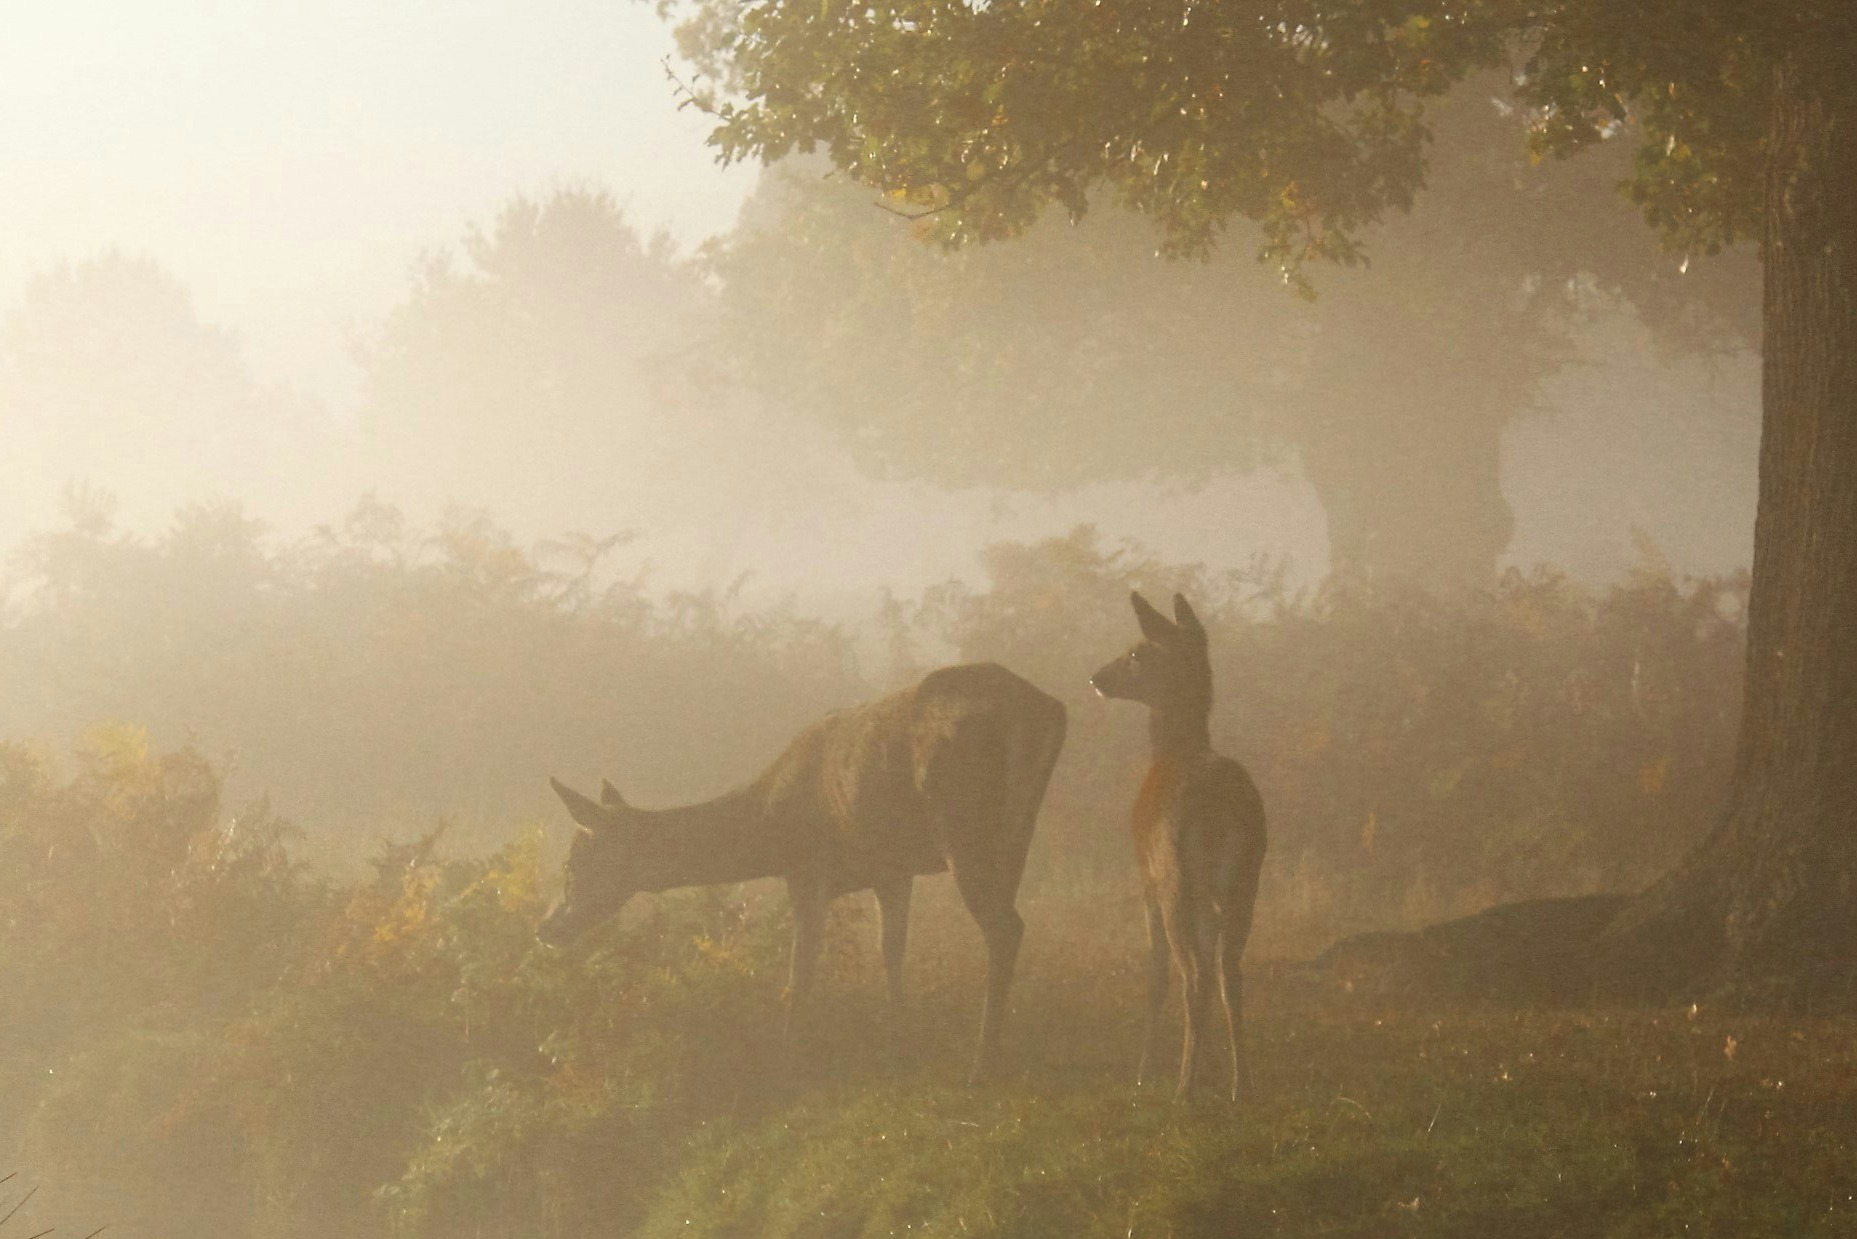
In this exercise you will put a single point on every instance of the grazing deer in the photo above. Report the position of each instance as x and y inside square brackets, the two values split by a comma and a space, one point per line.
[1199, 836]
[945, 775]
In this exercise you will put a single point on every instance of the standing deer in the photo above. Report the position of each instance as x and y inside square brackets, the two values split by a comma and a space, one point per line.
[1199, 836]
[945, 775]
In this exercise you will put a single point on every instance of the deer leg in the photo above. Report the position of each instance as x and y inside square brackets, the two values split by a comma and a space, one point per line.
[1160, 962]
[1235, 932]
[1197, 992]
[808, 898]
[1003, 928]
[1194, 951]
[893, 910]
[1231, 991]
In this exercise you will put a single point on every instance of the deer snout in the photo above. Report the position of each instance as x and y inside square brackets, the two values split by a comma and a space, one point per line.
[572, 916]
[1111, 681]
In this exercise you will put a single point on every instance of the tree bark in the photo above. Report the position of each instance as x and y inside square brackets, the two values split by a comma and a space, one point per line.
[1767, 904]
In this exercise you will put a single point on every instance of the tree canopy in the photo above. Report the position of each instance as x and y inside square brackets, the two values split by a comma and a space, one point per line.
[1077, 354]
[1018, 367]
[549, 368]
[109, 375]
[537, 341]
[1306, 117]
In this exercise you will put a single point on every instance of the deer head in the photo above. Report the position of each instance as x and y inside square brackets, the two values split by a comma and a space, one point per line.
[1169, 666]
[600, 864]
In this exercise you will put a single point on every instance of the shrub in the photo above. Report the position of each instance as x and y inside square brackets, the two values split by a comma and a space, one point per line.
[1420, 755]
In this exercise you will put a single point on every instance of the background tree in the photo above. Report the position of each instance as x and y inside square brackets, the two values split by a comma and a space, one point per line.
[108, 376]
[375, 674]
[1072, 357]
[548, 371]
[1495, 281]
[1077, 355]
[1309, 119]
[532, 346]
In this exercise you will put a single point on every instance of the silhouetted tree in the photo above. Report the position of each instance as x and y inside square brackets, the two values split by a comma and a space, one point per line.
[1078, 355]
[375, 672]
[548, 372]
[530, 349]
[108, 376]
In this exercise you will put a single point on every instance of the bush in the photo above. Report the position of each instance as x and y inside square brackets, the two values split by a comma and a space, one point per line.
[1420, 756]
[137, 926]
[204, 1037]
[374, 676]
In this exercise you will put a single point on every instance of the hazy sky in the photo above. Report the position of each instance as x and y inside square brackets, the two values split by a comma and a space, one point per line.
[289, 160]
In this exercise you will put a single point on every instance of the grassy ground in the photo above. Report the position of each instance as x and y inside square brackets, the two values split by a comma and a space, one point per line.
[1369, 1120]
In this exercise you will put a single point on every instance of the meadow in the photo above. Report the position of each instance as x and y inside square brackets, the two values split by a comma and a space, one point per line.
[421, 1067]
[1373, 1117]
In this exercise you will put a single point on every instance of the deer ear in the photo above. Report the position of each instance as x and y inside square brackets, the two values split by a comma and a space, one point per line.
[1184, 617]
[589, 815]
[1154, 625]
[610, 797]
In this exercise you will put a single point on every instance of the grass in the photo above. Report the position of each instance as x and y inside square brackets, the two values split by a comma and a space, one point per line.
[1370, 1120]
[642, 1088]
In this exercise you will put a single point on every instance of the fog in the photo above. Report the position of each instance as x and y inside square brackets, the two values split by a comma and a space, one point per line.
[216, 215]
[399, 405]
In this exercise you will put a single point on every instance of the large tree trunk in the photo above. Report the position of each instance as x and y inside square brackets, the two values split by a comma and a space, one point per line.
[1768, 903]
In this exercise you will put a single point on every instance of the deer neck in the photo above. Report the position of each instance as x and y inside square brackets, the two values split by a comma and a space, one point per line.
[1181, 728]
[708, 844]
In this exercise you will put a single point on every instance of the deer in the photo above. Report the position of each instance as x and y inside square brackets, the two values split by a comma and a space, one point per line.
[947, 775]
[1198, 825]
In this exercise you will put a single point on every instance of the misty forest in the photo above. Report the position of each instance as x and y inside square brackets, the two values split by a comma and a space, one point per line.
[1019, 618]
